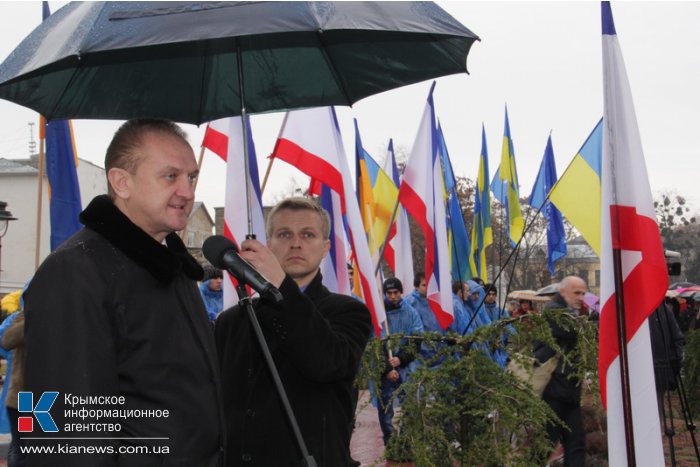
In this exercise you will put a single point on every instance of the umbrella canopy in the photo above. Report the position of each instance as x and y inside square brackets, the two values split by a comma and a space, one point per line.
[550, 289]
[527, 295]
[184, 60]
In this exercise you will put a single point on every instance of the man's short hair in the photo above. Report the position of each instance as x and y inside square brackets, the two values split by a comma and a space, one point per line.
[418, 278]
[457, 286]
[490, 288]
[300, 204]
[123, 151]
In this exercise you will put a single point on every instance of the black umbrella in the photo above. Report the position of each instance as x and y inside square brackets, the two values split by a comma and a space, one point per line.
[195, 62]
[188, 61]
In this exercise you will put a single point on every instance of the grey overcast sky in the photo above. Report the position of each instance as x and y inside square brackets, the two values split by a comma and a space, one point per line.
[542, 59]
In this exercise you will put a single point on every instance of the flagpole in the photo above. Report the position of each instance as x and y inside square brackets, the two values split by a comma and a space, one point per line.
[624, 360]
[244, 125]
[386, 237]
[40, 189]
[272, 159]
[199, 168]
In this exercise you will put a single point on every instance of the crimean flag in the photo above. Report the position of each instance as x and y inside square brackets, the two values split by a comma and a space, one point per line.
[546, 178]
[458, 239]
[421, 193]
[508, 177]
[62, 172]
[224, 137]
[398, 252]
[482, 235]
[582, 178]
[630, 234]
[310, 141]
[334, 266]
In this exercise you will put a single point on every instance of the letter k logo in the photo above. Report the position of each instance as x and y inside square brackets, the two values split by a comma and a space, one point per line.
[25, 403]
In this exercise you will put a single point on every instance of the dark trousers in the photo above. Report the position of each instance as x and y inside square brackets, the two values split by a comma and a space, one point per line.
[386, 407]
[574, 441]
[15, 457]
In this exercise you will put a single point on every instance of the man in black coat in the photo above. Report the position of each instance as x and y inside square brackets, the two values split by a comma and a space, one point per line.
[563, 393]
[115, 323]
[316, 339]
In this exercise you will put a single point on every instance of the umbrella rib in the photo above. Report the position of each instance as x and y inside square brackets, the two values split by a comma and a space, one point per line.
[330, 61]
[200, 111]
[66, 87]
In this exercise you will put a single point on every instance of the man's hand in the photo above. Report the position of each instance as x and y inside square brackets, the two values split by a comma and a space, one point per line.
[394, 362]
[262, 259]
[393, 376]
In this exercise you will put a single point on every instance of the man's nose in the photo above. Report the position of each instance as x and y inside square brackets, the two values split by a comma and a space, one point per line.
[186, 188]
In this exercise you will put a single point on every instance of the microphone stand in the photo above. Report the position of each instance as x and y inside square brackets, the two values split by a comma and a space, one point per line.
[245, 302]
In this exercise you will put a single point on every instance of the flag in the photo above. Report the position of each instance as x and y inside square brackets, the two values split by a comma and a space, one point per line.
[310, 140]
[398, 252]
[386, 195]
[458, 239]
[62, 172]
[224, 137]
[582, 178]
[629, 229]
[334, 266]
[365, 195]
[482, 235]
[421, 193]
[509, 196]
[546, 178]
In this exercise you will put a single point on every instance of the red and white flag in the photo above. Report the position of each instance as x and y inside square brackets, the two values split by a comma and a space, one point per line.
[421, 193]
[311, 141]
[628, 226]
[224, 137]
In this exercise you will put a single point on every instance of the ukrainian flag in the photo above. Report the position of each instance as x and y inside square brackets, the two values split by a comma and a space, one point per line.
[62, 173]
[508, 175]
[365, 196]
[577, 192]
[482, 234]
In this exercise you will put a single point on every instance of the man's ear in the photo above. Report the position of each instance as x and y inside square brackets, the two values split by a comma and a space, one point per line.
[120, 181]
[326, 247]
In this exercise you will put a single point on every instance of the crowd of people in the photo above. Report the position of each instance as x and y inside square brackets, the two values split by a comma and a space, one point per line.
[114, 323]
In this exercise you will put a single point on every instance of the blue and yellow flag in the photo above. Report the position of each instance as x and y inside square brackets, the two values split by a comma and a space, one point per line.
[386, 194]
[508, 177]
[482, 235]
[546, 178]
[457, 237]
[365, 196]
[577, 193]
[61, 170]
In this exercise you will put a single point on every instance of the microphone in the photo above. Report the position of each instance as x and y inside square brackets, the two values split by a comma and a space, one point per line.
[223, 253]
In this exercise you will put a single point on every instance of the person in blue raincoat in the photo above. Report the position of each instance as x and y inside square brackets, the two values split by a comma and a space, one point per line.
[212, 291]
[402, 318]
[418, 300]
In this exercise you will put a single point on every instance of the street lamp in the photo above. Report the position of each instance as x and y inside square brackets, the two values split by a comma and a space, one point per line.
[5, 218]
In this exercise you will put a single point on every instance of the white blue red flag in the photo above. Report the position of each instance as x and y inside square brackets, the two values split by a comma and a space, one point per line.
[225, 138]
[421, 193]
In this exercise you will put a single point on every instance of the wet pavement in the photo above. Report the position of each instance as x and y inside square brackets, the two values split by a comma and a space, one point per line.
[366, 445]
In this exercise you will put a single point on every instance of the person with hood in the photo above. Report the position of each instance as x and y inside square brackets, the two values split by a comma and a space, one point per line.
[401, 318]
[114, 320]
[475, 304]
[212, 291]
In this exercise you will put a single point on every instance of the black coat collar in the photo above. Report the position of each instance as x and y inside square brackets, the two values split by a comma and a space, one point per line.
[163, 262]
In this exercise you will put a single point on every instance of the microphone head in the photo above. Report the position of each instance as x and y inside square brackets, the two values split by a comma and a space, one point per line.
[215, 247]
